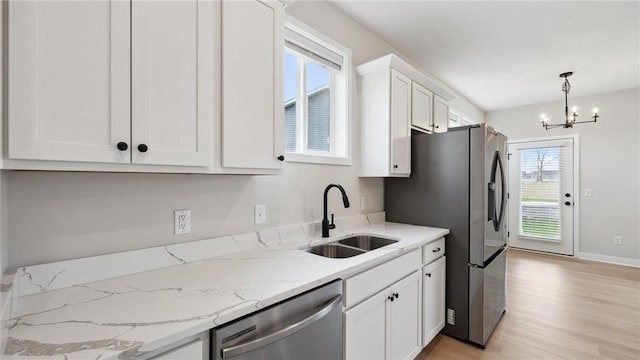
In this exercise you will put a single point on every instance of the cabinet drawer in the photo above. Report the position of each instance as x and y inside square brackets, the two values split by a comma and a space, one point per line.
[432, 251]
[365, 284]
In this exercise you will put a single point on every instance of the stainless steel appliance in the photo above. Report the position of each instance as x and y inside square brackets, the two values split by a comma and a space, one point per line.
[458, 182]
[308, 326]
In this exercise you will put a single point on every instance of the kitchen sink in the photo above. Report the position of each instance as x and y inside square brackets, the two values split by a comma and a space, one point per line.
[366, 242]
[334, 251]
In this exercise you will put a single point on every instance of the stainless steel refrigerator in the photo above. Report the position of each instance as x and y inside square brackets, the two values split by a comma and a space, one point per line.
[458, 182]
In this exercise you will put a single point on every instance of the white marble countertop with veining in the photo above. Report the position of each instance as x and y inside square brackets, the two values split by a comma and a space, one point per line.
[138, 313]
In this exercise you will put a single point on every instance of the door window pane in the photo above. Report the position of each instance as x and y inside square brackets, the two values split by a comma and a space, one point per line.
[540, 192]
[319, 107]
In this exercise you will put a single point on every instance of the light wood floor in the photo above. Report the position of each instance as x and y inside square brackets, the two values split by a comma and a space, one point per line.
[559, 308]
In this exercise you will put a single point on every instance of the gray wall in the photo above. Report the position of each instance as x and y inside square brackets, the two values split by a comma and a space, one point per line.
[609, 165]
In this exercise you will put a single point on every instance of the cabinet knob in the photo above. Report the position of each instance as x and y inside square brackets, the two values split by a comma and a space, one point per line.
[428, 274]
[281, 157]
[436, 250]
[390, 298]
[395, 166]
[122, 146]
[568, 203]
[436, 126]
[143, 148]
[396, 295]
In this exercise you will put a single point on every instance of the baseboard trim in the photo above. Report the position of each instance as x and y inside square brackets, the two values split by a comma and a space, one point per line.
[609, 259]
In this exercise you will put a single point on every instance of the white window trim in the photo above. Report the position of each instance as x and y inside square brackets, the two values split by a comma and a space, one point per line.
[347, 71]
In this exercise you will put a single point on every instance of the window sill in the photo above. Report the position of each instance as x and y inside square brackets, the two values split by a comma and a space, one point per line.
[317, 159]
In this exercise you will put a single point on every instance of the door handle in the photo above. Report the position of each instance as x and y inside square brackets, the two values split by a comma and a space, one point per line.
[286, 330]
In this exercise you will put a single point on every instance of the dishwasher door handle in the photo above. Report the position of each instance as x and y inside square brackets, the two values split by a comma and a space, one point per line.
[286, 330]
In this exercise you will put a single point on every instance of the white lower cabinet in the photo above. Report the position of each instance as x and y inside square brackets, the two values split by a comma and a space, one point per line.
[197, 349]
[433, 299]
[387, 325]
[366, 328]
[403, 318]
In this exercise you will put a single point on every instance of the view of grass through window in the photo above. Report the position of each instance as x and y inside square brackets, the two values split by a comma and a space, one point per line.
[540, 192]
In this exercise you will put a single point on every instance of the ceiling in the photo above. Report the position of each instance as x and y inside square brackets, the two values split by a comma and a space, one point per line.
[507, 54]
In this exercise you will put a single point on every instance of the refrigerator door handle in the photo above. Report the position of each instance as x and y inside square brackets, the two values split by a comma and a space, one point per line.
[495, 215]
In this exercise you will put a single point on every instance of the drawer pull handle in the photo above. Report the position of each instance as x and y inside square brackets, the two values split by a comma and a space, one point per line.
[390, 298]
[436, 250]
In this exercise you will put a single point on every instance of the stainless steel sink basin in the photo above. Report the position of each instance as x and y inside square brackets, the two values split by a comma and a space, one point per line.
[366, 242]
[334, 251]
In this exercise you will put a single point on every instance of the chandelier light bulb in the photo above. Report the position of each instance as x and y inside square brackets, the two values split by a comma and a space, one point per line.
[574, 109]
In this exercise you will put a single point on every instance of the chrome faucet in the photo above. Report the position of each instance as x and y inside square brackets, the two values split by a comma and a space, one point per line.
[326, 226]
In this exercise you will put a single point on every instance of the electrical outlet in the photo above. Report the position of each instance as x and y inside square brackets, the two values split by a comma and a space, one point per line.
[363, 203]
[260, 214]
[587, 192]
[181, 222]
[617, 240]
[451, 317]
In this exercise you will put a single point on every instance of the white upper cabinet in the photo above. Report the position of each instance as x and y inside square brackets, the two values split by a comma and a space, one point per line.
[172, 57]
[440, 114]
[400, 124]
[421, 107]
[112, 82]
[252, 68]
[394, 98]
[68, 80]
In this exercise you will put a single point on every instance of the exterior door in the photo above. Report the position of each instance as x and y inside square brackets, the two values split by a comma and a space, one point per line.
[172, 80]
[68, 80]
[542, 195]
[400, 124]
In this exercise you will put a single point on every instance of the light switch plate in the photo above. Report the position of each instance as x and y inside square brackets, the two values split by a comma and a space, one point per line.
[617, 240]
[260, 214]
[182, 222]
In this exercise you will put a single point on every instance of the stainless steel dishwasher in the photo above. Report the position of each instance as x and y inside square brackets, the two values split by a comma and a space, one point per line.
[307, 326]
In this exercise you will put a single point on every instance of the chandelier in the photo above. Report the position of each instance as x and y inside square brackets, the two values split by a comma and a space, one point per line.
[569, 117]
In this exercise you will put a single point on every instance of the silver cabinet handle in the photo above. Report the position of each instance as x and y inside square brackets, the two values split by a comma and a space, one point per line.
[235, 350]
[436, 250]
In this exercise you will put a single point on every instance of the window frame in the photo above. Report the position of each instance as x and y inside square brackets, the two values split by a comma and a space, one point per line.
[340, 115]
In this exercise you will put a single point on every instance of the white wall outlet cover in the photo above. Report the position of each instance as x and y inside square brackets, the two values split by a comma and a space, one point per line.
[181, 222]
[363, 203]
[617, 240]
[587, 192]
[260, 214]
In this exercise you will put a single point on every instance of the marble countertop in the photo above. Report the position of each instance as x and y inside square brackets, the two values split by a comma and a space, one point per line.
[131, 315]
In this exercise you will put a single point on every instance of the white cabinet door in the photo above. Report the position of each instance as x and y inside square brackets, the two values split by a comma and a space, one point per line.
[252, 111]
[421, 107]
[192, 351]
[433, 299]
[365, 328]
[172, 57]
[69, 80]
[403, 319]
[440, 114]
[400, 124]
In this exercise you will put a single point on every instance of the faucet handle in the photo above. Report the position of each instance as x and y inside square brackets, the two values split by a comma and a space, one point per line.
[332, 225]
